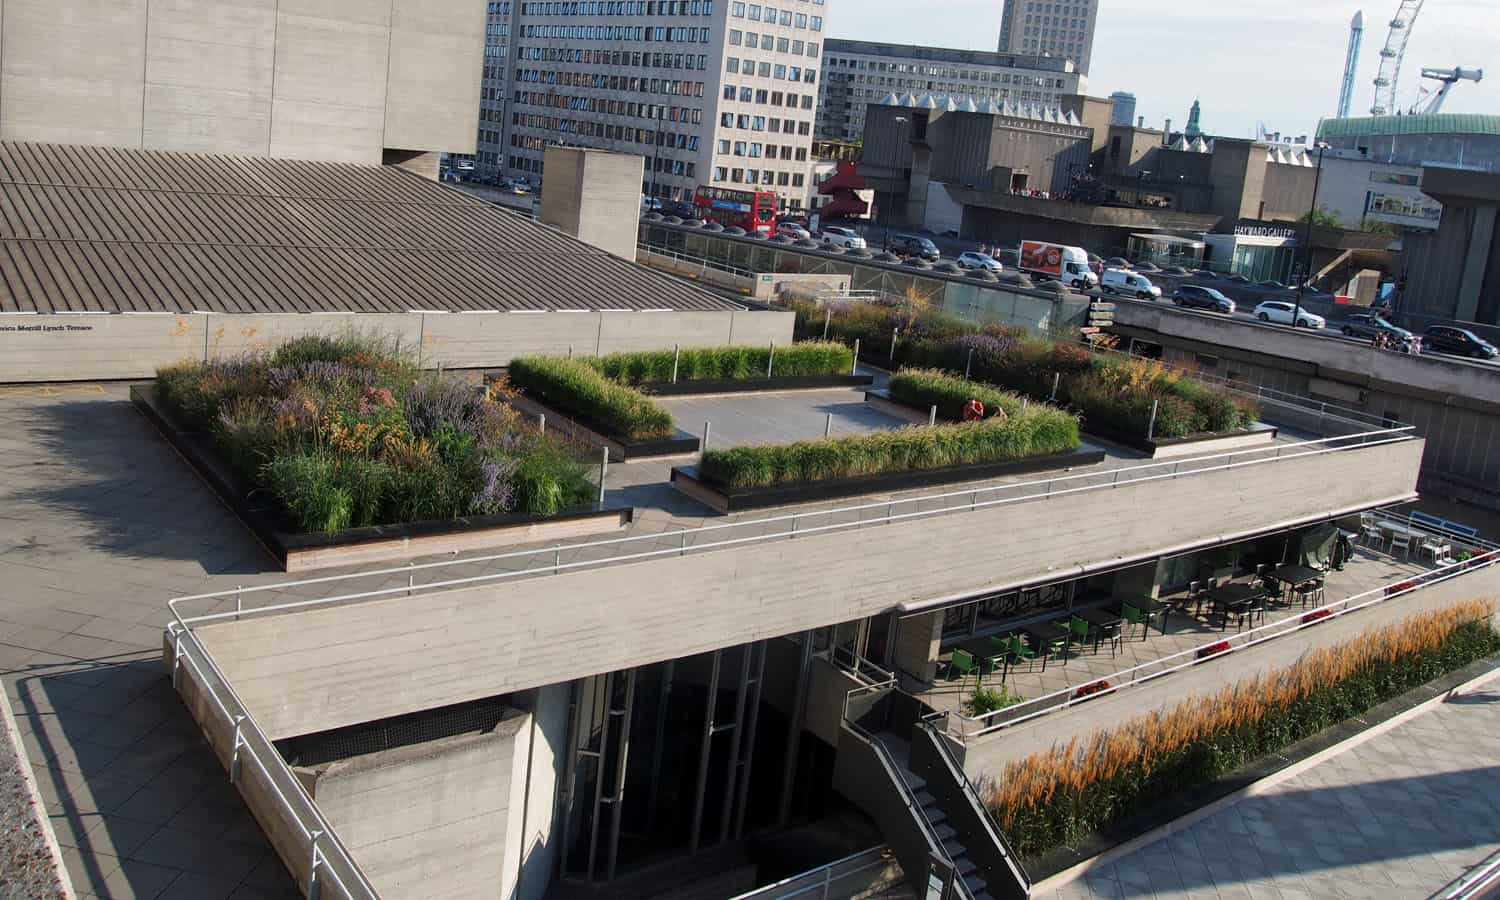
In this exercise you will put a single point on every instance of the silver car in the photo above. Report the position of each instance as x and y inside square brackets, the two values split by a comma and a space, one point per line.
[838, 236]
[984, 261]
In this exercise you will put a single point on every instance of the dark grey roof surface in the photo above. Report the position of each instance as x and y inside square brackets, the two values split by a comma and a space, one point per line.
[110, 230]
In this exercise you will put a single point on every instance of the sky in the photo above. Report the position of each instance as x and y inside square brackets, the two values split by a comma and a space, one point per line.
[1274, 61]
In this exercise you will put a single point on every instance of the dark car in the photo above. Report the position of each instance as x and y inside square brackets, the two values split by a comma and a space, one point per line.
[1272, 284]
[1458, 341]
[915, 245]
[1236, 279]
[1367, 326]
[1205, 273]
[679, 209]
[1193, 296]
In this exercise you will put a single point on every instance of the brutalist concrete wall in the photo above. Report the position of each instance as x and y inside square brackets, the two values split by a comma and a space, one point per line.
[405, 654]
[101, 347]
[430, 820]
[328, 80]
[594, 195]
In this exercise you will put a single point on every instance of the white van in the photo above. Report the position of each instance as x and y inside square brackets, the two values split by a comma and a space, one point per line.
[1070, 265]
[1119, 281]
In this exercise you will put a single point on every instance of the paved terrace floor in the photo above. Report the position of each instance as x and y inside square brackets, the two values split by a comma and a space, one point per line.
[1396, 817]
[100, 523]
[1366, 571]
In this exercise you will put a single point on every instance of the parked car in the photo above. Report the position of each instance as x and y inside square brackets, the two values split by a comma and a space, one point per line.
[1237, 279]
[973, 260]
[1118, 262]
[915, 245]
[1193, 296]
[1368, 326]
[1119, 281]
[1208, 274]
[1281, 313]
[1458, 341]
[680, 209]
[839, 236]
[792, 230]
[1271, 284]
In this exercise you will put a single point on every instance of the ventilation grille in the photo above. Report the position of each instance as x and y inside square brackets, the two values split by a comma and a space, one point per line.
[475, 717]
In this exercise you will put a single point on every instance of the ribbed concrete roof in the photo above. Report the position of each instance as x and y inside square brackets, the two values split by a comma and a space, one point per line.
[107, 230]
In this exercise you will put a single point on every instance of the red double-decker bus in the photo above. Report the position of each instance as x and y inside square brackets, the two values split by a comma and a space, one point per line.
[751, 210]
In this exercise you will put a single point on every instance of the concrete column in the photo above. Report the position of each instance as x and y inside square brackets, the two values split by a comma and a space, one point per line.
[915, 650]
[1476, 260]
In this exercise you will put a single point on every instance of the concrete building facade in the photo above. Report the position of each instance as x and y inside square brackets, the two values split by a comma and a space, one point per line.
[1063, 29]
[858, 73]
[357, 81]
[708, 91]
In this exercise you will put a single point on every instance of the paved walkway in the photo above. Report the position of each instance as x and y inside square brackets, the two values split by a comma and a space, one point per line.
[1397, 817]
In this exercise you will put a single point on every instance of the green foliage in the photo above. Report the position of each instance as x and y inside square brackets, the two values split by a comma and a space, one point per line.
[924, 388]
[1041, 430]
[988, 700]
[574, 386]
[725, 363]
[346, 433]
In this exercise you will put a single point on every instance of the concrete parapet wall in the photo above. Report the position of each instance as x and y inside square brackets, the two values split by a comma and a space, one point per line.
[428, 815]
[94, 347]
[987, 756]
[327, 667]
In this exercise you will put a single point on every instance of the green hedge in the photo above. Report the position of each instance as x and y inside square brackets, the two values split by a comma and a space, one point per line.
[1040, 431]
[574, 386]
[726, 363]
[924, 388]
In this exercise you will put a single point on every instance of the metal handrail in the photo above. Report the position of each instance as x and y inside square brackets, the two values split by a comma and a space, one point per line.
[969, 499]
[1185, 659]
[703, 261]
[1474, 882]
[826, 872]
[956, 772]
[327, 854]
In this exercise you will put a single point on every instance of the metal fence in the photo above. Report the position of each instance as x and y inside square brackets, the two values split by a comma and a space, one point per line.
[969, 728]
[847, 877]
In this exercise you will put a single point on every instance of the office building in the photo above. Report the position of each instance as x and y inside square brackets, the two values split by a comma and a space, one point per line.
[709, 92]
[494, 89]
[1123, 109]
[334, 81]
[1050, 27]
[858, 73]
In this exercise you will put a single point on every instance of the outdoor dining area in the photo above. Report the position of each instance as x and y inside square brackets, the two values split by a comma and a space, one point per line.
[1076, 632]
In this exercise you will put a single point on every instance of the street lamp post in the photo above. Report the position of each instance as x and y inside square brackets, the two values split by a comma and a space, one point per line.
[901, 123]
[1307, 256]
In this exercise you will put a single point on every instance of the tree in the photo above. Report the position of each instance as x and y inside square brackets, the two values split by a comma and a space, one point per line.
[1322, 218]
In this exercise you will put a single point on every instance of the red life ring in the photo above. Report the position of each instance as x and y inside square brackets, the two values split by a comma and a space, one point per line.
[973, 411]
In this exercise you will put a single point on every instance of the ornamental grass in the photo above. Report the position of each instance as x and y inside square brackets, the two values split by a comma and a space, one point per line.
[800, 360]
[1112, 392]
[575, 387]
[1062, 795]
[1039, 431]
[347, 432]
[926, 388]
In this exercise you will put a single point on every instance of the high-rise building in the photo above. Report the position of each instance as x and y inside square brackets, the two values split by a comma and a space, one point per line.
[1050, 27]
[494, 91]
[708, 91]
[1123, 108]
[858, 73]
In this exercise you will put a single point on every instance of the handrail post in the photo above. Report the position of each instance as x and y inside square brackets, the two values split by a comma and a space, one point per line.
[969, 365]
[411, 577]
[708, 428]
[827, 320]
[314, 888]
[771, 360]
[234, 755]
[676, 358]
[239, 601]
[603, 471]
[854, 366]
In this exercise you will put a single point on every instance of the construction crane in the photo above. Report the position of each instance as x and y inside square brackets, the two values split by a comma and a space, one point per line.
[1391, 56]
[1431, 101]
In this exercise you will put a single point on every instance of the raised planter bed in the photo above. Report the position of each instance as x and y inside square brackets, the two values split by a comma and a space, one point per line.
[753, 385]
[1162, 448]
[620, 449]
[298, 552]
[728, 500]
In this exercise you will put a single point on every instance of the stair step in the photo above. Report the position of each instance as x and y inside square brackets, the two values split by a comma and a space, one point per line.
[944, 830]
[925, 799]
[975, 884]
[917, 783]
[934, 814]
[964, 865]
[955, 848]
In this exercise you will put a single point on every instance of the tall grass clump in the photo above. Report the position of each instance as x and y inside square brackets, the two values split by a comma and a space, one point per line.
[1071, 791]
[925, 388]
[1038, 432]
[347, 432]
[1112, 392]
[725, 363]
[574, 386]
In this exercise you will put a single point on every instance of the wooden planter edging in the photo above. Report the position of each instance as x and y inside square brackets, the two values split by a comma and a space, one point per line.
[1168, 809]
[1255, 436]
[687, 480]
[753, 385]
[298, 552]
[620, 450]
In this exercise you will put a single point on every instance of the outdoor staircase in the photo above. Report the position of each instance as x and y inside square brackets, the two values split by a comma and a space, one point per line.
[937, 817]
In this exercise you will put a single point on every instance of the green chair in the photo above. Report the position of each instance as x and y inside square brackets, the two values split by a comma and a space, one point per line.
[963, 663]
[1136, 616]
[1054, 646]
[1079, 631]
[1019, 652]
